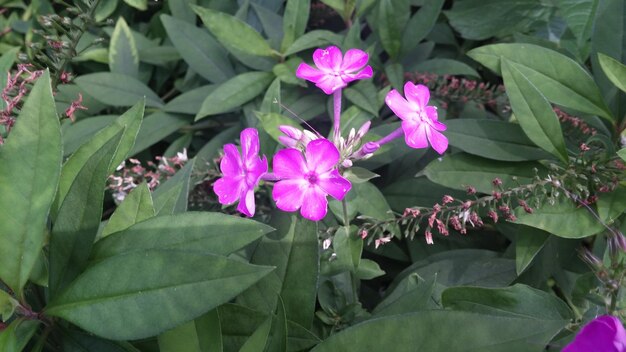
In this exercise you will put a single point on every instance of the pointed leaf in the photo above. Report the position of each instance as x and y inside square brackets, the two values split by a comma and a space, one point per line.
[172, 195]
[529, 242]
[563, 219]
[15, 337]
[420, 24]
[117, 90]
[29, 175]
[614, 70]
[312, 39]
[294, 21]
[124, 291]
[123, 53]
[136, 207]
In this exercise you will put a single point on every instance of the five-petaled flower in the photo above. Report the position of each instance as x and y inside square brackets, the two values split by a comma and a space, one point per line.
[334, 71]
[241, 172]
[419, 121]
[605, 333]
[305, 182]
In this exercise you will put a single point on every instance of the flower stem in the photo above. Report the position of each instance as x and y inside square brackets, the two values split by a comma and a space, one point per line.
[337, 116]
[391, 136]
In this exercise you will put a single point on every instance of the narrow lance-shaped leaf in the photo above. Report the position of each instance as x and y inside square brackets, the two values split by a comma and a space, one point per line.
[533, 111]
[123, 53]
[117, 90]
[295, 20]
[136, 207]
[171, 196]
[614, 70]
[29, 176]
[125, 290]
[421, 24]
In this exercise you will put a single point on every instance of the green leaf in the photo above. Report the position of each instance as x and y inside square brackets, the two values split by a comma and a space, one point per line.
[7, 306]
[234, 93]
[420, 24]
[363, 95]
[123, 53]
[271, 22]
[233, 33]
[206, 156]
[483, 19]
[180, 9]
[614, 70]
[78, 133]
[190, 101]
[458, 171]
[171, 196]
[272, 98]
[258, 340]
[533, 111]
[200, 335]
[529, 242]
[411, 295]
[31, 165]
[622, 153]
[129, 123]
[493, 139]
[141, 5]
[359, 175]
[395, 74]
[278, 342]
[579, 15]
[293, 250]
[516, 301]
[560, 79]
[368, 269]
[75, 340]
[294, 21]
[105, 9]
[312, 39]
[117, 90]
[6, 62]
[417, 192]
[445, 66]
[199, 49]
[212, 232]
[124, 290]
[156, 127]
[563, 219]
[15, 337]
[286, 71]
[136, 207]
[271, 121]
[392, 16]
[78, 218]
[472, 332]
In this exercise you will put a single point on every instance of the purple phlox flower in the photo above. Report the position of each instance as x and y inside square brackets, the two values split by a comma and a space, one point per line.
[334, 71]
[419, 121]
[241, 172]
[306, 181]
[605, 333]
[295, 137]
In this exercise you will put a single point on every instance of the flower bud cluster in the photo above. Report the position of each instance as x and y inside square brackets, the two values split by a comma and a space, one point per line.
[17, 87]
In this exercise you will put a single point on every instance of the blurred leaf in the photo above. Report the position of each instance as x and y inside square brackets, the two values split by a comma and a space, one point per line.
[533, 111]
[272, 24]
[184, 284]
[611, 205]
[460, 170]
[189, 102]
[412, 294]
[105, 9]
[272, 98]
[363, 95]
[614, 70]
[234, 92]
[295, 20]
[395, 74]
[563, 219]
[141, 5]
[368, 269]
[117, 90]
[123, 53]
[271, 121]
[171, 196]
[136, 207]
[200, 335]
[29, 175]
[181, 9]
[7, 306]
[79, 214]
[446, 66]
[622, 153]
[286, 71]
[200, 51]
[579, 15]
[472, 332]
[216, 233]
[6, 62]
[519, 301]
[529, 242]
[312, 39]
[15, 336]
[159, 55]
[560, 79]
[156, 127]
[483, 19]
[278, 342]
[392, 16]
[420, 24]
[211, 150]
[80, 341]
[258, 340]
[419, 191]
[293, 250]
[359, 175]
[493, 139]
[233, 33]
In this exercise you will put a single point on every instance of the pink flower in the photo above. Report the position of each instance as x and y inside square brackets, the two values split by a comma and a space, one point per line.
[334, 72]
[304, 184]
[419, 121]
[241, 172]
[605, 333]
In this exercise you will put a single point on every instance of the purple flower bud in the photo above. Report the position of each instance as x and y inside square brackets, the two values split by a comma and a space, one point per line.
[363, 130]
[290, 131]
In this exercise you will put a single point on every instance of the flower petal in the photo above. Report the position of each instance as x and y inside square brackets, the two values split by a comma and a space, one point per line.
[415, 134]
[228, 189]
[249, 145]
[437, 140]
[605, 333]
[431, 112]
[289, 194]
[289, 163]
[315, 204]
[354, 60]
[334, 184]
[321, 155]
[328, 60]
[256, 168]
[309, 73]
[418, 94]
[363, 74]
[246, 203]
[400, 106]
[330, 83]
[231, 164]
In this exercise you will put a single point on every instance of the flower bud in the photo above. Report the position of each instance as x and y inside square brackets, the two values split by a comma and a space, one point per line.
[363, 130]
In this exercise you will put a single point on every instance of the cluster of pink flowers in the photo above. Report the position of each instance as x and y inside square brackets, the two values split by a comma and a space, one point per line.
[310, 168]
[13, 93]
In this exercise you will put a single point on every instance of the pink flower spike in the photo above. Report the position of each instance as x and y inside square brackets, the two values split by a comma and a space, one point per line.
[334, 72]
[604, 333]
[419, 121]
[242, 172]
[305, 182]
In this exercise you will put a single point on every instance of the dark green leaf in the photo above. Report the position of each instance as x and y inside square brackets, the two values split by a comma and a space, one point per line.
[141, 5]
[181, 10]
[312, 39]
[533, 111]
[295, 20]
[189, 102]
[123, 53]
[392, 16]
[234, 93]
[614, 70]
[445, 67]
[417, 192]
[117, 90]
[15, 336]
[156, 127]
[29, 175]
[7, 305]
[563, 219]
[412, 294]
[6, 62]
[258, 340]
[420, 24]
[529, 242]
[363, 95]
[172, 195]
[271, 121]
[124, 290]
[78, 133]
[579, 15]
[272, 24]
[136, 207]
